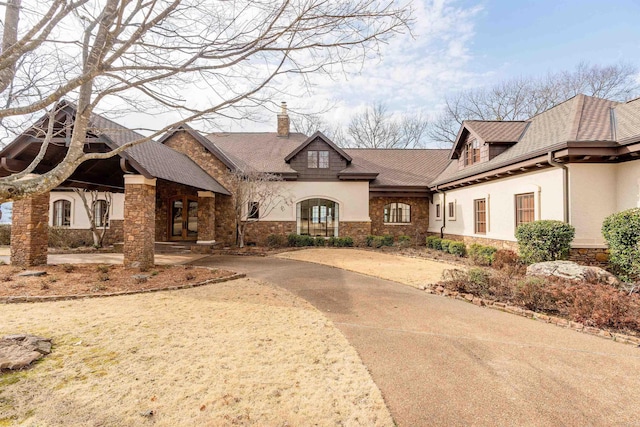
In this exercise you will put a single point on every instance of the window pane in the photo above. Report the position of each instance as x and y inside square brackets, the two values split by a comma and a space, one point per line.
[318, 217]
[62, 213]
[312, 159]
[480, 206]
[323, 159]
[525, 208]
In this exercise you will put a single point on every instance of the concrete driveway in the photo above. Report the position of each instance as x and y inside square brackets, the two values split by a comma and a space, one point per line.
[439, 361]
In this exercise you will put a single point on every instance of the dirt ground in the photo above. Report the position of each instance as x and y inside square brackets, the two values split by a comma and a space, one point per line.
[410, 271]
[235, 353]
[96, 279]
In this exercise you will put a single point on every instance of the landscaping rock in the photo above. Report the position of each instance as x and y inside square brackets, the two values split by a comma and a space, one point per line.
[572, 271]
[20, 351]
[32, 273]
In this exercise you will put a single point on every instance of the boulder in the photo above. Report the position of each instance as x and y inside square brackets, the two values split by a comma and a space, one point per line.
[20, 351]
[572, 271]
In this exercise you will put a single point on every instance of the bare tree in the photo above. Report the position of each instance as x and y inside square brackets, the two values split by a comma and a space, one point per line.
[141, 55]
[376, 127]
[522, 98]
[256, 195]
[97, 208]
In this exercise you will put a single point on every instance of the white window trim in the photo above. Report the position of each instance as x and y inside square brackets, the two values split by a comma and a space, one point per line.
[438, 212]
[455, 208]
[71, 200]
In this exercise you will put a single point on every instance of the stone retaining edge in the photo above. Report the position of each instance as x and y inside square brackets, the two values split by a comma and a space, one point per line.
[558, 321]
[46, 298]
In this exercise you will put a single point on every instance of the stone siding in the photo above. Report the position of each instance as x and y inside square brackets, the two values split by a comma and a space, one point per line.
[225, 231]
[206, 217]
[60, 237]
[417, 229]
[356, 230]
[590, 256]
[29, 231]
[139, 225]
[257, 232]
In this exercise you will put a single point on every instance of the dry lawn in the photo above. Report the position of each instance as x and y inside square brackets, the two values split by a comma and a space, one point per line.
[410, 271]
[234, 353]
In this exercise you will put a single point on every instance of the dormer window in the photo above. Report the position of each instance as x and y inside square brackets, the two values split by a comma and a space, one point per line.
[472, 152]
[318, 159]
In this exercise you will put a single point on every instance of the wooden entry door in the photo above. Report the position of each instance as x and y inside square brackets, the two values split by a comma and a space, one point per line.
[183, 218]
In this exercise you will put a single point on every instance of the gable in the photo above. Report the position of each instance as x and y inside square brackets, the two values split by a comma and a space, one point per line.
[300, 161]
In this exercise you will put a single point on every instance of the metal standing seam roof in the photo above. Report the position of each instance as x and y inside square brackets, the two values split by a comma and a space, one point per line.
[157, 159]
[581, 118]
[495, 131]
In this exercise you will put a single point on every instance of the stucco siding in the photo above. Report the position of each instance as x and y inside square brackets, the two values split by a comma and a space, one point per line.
[592, 189]
[500, 195]
[628, 185]
[353, 199]
[79, 217]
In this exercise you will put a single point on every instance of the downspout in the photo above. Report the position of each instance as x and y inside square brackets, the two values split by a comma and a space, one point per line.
[565, 182]
[442, 210]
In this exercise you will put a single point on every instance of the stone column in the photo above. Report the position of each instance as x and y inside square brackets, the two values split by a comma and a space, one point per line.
[206, 217]
[139, 221]
[30, 231]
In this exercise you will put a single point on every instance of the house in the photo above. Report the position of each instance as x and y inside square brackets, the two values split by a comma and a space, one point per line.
[574, 163]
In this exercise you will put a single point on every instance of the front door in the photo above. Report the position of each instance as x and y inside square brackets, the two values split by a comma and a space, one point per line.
[183, 218]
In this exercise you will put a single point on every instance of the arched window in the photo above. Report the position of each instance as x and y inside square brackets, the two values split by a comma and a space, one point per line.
[397, 213]
[61, 213]
[317, 217]
[101, 213]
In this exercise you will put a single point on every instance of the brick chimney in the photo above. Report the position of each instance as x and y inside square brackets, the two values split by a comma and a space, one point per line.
[283, 122]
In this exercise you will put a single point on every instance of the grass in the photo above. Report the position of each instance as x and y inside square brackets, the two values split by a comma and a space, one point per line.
[235, 353]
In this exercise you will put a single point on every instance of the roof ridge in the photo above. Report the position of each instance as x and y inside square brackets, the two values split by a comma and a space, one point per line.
[575, 118]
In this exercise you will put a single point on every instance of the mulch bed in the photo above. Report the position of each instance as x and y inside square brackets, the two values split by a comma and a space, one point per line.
[101, 279]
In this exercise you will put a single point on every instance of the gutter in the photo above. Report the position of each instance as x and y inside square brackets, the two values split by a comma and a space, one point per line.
[442, 210]
[565, 183]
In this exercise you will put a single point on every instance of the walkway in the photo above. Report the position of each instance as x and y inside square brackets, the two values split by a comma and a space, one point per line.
[439, 361]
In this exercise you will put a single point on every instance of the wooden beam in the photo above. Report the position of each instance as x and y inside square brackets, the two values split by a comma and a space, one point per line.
[13, 165]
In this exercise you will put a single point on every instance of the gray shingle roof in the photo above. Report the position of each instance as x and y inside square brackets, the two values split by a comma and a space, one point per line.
[581, 118]
[155, 158]
[266, 152]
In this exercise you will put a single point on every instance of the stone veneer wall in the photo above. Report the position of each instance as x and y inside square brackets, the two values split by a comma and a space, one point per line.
[139, 223]
[166, 190]
[206, 216]
[356, 230]
[417, 229]
[29, 231]
[257, 232]
[74, 237]
[225, 218]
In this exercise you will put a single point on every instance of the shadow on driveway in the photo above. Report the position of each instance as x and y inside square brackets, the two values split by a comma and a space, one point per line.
[440, 361]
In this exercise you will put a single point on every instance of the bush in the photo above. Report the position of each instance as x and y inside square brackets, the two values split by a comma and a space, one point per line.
[533, 294]
[481, 255]
[430, 241]
[387, 240]
[368, 241]
[504, 257]
[404, 241]
[344, 242]
[298, 241]
[475, 281]
[444, 245]
[545, 240]
[457, 248]
[320, 241]
[622, 233]
[437, 244]
[276, 241]
[378, 241]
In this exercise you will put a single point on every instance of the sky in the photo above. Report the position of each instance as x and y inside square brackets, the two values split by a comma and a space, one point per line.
[469, 43]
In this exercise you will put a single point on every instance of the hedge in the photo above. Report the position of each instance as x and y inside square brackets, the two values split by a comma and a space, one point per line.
[546, 240]
[481, 254]
[622, 233]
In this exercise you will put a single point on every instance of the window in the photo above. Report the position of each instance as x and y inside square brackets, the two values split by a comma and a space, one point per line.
[451, 210]
[480, 215]
[101, 213]
[61, 213]
[472, 152]
[318, 159]
[253, 210]
[438, 211]
[317, 217]
[525, 208]
[395, 213]
[323, 159]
